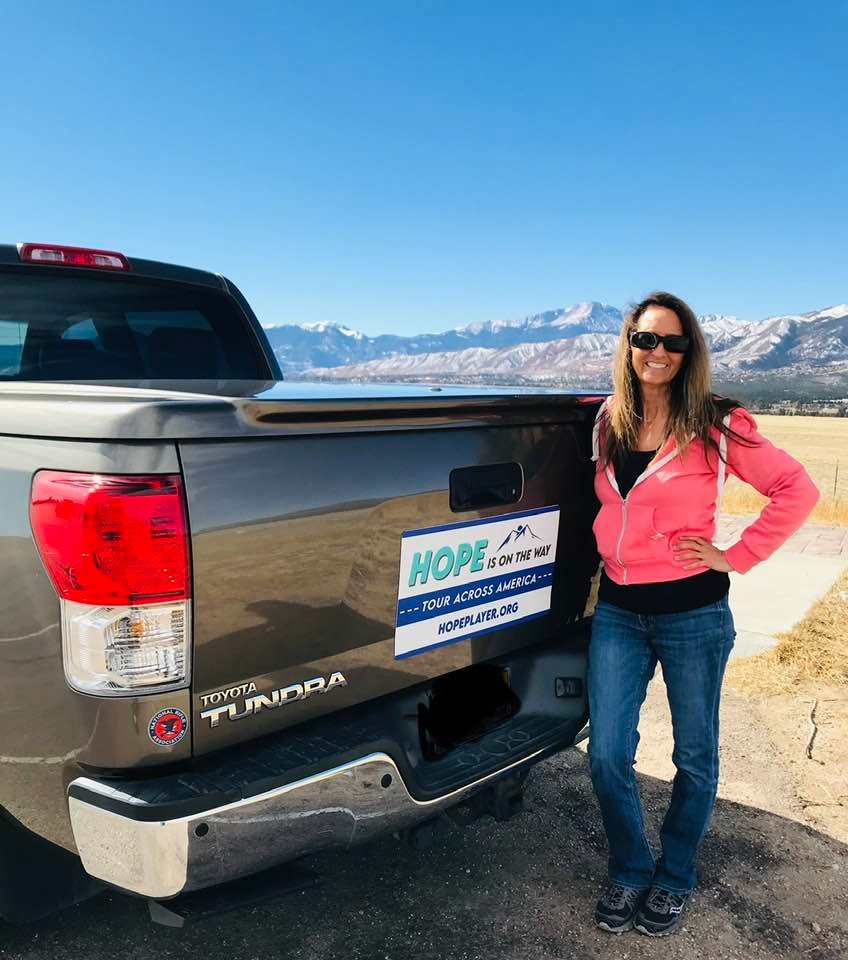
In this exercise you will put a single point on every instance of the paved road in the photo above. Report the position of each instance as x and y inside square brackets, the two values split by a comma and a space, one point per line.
[776, 594]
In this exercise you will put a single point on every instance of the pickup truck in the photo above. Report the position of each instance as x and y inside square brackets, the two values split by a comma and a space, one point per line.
[245, 620]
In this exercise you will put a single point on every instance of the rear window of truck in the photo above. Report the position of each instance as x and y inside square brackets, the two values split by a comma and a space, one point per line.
[90, 328]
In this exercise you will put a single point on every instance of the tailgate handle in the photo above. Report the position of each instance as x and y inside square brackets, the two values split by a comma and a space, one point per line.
[489, 485]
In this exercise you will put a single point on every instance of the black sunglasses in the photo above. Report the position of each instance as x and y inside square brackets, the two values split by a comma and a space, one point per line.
[647, 340]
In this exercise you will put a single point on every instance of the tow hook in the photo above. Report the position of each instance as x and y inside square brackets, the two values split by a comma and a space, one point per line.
[503, 800]
[507, 798]
[422, 836]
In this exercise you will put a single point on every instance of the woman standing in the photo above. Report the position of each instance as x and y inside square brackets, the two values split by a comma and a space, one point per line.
[663, 445]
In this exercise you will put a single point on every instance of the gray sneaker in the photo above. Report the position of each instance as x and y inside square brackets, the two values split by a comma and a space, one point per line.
[661, 912]
[617, 908]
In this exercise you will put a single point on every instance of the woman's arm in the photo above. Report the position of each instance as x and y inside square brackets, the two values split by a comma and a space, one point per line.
[778, 476]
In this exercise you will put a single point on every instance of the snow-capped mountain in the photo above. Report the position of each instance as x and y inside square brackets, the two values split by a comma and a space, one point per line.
[323, 327]
[315, 345]
[589, 317]
[329, 344]
[587, 356]
[571, 345]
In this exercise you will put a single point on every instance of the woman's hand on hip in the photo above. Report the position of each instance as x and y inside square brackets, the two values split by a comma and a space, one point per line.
[694, 552]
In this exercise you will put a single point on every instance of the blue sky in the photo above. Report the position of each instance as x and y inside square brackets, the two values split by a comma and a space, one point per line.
[403, 166]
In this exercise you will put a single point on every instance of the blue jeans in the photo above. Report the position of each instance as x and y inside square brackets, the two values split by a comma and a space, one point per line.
[692, 648]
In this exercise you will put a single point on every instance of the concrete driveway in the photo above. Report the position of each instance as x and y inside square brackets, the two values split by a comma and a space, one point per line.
[777, 593]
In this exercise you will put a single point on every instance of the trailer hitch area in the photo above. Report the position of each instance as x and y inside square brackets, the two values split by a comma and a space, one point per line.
[244, 892]
[503, 800]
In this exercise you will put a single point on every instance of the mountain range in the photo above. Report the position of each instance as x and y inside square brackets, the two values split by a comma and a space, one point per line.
[570, 346]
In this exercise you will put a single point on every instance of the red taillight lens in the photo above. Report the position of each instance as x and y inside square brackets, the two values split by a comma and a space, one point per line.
[112, 540]
[51, 253]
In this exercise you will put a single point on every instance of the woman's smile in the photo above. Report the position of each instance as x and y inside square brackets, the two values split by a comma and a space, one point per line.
[657, 367]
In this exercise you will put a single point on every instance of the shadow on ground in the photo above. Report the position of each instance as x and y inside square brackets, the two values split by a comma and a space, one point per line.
[770, 887]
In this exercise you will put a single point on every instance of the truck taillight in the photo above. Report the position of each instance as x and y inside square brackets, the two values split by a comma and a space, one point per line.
[116, 549]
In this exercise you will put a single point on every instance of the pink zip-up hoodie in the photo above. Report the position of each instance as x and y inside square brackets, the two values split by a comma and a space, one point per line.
[678, 495]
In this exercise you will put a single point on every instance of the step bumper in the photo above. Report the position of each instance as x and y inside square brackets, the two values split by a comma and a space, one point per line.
[349, 804]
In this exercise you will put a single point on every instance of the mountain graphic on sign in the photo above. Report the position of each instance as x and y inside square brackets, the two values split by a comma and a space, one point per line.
[522, 531]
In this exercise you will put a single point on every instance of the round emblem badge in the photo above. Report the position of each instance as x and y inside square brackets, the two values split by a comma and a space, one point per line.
[168, 727]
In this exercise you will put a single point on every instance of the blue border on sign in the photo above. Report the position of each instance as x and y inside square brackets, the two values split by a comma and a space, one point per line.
[476, 523]
[469, 636]
[412, 612]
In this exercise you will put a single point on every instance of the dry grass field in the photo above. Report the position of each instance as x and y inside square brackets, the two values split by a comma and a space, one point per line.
[816, 648]
[814, 651]
[821, 444]
[799, 689]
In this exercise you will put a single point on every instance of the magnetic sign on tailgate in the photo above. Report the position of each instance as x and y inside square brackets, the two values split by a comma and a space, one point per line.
[465, 579]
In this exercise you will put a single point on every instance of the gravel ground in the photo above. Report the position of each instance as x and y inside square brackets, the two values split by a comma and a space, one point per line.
[771, 885]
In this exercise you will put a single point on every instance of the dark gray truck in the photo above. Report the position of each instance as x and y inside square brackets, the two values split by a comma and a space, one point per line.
[243, 620]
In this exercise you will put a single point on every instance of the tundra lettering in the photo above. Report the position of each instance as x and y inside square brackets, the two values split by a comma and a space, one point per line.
[277, 698]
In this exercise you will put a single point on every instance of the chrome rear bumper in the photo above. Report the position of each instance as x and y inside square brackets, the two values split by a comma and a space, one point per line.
[346, 805]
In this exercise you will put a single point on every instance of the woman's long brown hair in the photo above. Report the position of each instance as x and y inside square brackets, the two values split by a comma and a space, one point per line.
[693, 407]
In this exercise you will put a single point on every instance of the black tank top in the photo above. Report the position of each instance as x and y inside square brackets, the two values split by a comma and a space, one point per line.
[668, 596]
